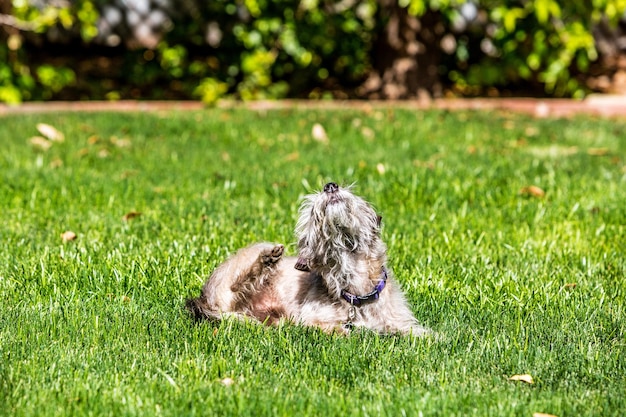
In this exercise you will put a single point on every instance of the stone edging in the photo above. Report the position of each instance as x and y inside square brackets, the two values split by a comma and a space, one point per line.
[597, 105]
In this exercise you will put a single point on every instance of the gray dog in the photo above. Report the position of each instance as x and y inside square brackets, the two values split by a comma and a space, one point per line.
[339, 280]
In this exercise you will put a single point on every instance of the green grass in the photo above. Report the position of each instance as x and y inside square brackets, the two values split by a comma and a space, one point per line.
[513, 284]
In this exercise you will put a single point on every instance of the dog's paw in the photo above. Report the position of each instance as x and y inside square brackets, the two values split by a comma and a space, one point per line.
[272, 255]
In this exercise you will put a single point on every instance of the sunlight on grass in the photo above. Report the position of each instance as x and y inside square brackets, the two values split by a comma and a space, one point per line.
[514, 280]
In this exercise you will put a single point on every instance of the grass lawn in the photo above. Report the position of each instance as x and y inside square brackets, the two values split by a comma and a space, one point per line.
[507, 233]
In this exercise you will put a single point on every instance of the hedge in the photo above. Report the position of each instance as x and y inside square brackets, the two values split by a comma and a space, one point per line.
[254, 49]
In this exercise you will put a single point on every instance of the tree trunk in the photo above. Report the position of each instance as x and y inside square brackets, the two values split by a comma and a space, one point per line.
[406, 55]
[5, 9]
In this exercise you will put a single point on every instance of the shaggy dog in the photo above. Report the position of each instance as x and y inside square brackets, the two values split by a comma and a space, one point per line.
[338, 281]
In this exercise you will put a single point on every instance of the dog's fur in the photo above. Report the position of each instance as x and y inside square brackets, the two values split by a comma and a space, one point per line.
[339, 248]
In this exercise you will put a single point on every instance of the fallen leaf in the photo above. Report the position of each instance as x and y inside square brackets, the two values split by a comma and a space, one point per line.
[227, 381]
[553, 151]
[128, 174]
[532, 191]
[543, 415]
[531, 131]
[68, 236]
[423, 164]
[39, 143]
[380, 168]
[131, 215]
[56, 163]
[103, 153]
[120, 143]
[50, 132]
[92, 140]
[598, 151]
[509, 124]
[368, 133]
[294, 156]
[319, 133]
[524, 378]
[570, 286]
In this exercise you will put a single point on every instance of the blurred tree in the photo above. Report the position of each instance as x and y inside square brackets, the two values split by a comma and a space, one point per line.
[406, 55]
[253, 49]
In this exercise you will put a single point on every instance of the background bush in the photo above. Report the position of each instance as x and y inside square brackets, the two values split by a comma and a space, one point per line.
[254, 49]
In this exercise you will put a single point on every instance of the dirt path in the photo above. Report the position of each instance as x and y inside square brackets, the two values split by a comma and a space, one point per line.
[598, 105]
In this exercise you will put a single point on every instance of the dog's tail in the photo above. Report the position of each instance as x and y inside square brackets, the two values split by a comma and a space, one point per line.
[200, 310]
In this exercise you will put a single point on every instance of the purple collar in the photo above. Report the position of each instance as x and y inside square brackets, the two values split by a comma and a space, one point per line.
[358, 300]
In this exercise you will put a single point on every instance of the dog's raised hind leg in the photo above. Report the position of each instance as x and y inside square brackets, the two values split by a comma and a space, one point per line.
[252, 279]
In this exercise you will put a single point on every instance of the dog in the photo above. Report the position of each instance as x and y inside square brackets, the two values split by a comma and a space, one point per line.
[338, 282]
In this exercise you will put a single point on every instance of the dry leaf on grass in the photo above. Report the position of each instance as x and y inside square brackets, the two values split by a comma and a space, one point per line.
[294, 156]
[39, 143]
[103, 153]
[50, 132]
[598, 151]
[524, 378]
[227, 381]
[319, 133]
[68, 236]
[380, 168]
[131, 215]
[120, 143]
[368, 133]
[543, 415]
[531, 131]
[509, 124]
[532, 191]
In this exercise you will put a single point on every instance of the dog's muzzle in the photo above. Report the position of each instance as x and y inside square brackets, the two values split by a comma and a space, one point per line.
[331, 188]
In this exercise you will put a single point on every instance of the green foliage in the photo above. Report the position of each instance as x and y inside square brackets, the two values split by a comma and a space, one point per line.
[294, 48]
[54, 79]
[20, 78]
[210, 90]
[540, 41]
[286, 47]
[512, 283]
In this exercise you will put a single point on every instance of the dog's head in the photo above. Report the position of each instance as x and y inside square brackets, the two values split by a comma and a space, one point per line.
[335, 223]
